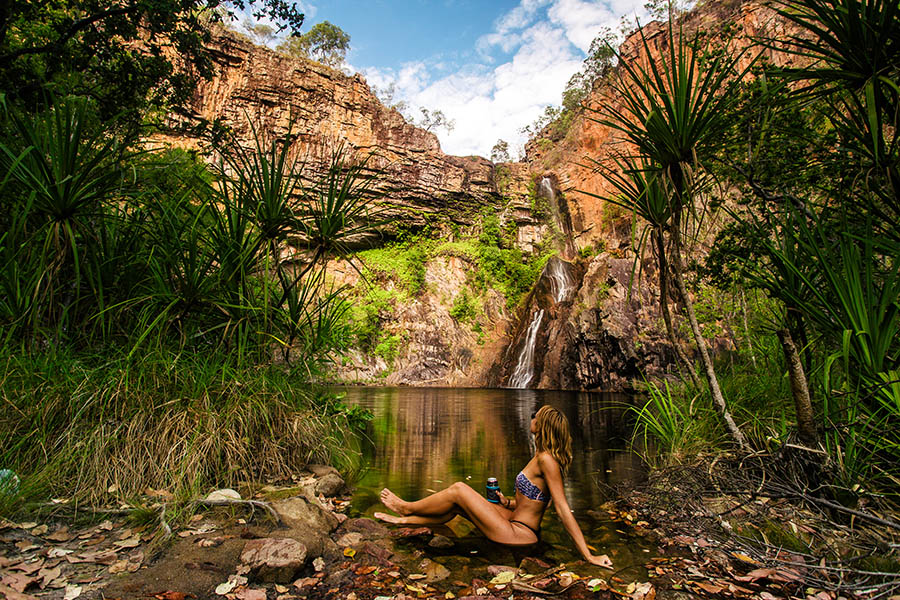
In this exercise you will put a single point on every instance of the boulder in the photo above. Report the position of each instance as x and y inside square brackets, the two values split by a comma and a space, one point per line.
[223, 494]
[330, 484]
[370, 530]
[302, 513]
[274, 560]
[441, 542]
[434, 571]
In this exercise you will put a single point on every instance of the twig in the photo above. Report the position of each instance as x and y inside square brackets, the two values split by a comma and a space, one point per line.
[252, 503]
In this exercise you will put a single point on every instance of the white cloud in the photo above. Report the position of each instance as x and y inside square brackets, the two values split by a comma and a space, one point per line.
[549, 39]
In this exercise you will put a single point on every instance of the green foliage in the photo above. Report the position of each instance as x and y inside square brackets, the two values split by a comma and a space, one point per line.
[325, 43]
[78, 423]
[388, 348]
[103, 247]
[121, 56]
[674, 423]
[463, 309]
[500, 152]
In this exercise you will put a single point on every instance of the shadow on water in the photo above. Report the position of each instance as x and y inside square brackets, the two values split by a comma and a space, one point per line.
[421, 440]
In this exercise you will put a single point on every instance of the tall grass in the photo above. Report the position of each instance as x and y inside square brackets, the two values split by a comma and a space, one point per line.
[75, 425]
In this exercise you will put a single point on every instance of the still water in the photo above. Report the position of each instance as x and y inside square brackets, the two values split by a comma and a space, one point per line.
[421, 440]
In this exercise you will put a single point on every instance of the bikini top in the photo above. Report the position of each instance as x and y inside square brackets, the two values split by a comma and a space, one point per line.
[529, 490]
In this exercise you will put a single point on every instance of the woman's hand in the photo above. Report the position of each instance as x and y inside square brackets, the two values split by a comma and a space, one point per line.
[600, 561]
[504, 501]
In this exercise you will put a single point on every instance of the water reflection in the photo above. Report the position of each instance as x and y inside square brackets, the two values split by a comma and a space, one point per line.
[423, 439]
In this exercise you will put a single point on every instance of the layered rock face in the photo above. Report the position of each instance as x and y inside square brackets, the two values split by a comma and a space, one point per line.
[606, 331]
[256, 88]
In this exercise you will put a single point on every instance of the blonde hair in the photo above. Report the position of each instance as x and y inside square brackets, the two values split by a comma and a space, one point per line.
[553, 436]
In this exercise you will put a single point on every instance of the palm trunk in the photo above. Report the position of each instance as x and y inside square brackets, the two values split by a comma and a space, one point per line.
[747, 327]
[718, 398]
[799, 388]
[664, 307]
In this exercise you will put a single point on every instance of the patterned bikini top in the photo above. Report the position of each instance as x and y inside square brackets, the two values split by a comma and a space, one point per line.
[529, 490]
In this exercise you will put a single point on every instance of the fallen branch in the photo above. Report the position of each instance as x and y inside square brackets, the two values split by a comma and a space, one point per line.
[253, 504]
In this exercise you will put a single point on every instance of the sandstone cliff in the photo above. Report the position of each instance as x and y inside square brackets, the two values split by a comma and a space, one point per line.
[602, 334]
[255, 87]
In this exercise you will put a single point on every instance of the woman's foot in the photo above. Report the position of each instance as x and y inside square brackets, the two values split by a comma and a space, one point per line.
[389, 518]
[394, 502]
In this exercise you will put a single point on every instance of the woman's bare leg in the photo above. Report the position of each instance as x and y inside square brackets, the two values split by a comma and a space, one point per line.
[414, 520]
[483, 514]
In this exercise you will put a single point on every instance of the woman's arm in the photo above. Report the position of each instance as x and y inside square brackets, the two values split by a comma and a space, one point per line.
[553, 477]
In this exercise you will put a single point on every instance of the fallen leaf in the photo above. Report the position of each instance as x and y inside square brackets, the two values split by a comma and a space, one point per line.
[173, 596]
[11, 594]
[132, 542]
[72, 592]
[417, 576]
[281, 589]
[18, 582]
[120, 566]
[58, 552]
[28, 525]
[318, 564]
[249, 594]
[708, 587]
[744, 558]
[28, 567]
[40, 530]
[60, 535]
[504, 577]
[49, 575]
[349, 552]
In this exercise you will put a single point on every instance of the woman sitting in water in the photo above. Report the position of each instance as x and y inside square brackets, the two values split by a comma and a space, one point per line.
[511, 522]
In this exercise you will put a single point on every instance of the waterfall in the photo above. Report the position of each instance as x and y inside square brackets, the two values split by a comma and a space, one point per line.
[547, 191]
[561, 283]
[524, 372]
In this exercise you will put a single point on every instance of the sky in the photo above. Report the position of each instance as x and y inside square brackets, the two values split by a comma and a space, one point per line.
[492, 66]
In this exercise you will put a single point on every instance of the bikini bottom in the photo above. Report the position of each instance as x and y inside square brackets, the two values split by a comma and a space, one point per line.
[537, 532]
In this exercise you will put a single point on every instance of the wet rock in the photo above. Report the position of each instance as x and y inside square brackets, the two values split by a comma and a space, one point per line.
[369, 529]
[441, 542]
[533, 565]
[434, 571]
[330, 484]
[371, 553]
[274, 560]
[223, 494]
[349, 539]
[411, 532]
[337, 578]
[322, 470]
[301, 513]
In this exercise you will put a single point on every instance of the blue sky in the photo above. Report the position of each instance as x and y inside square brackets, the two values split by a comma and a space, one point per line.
[492, 66]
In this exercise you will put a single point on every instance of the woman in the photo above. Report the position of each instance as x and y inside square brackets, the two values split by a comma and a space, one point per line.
[512, 522]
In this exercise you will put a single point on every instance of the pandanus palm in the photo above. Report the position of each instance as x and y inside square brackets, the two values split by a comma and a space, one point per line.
[671, 108]
[852, 49]
[638, 189]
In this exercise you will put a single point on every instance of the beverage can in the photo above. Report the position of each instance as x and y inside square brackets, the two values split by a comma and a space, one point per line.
[491, 490]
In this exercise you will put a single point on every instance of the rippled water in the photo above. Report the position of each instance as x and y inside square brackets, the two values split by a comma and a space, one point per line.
[423, 439]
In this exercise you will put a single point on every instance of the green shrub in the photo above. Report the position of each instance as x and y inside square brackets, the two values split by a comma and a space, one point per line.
[463, 309]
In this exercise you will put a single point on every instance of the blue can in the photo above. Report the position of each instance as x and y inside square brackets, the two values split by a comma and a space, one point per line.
[491, 490]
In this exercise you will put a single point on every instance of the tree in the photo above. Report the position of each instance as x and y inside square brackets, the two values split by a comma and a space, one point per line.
[261, 32]
[672, 114]
[387, 97]
[435, 119]
[500, 152]
[324, 43]
[128, 56]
